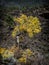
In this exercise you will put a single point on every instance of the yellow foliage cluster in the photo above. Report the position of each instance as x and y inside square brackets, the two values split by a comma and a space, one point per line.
[29, 24]
[2, 50]
[25, 54]
[6, 53]
[22, 59]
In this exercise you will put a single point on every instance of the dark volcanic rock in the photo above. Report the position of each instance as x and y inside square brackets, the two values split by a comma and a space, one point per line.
[45, 15]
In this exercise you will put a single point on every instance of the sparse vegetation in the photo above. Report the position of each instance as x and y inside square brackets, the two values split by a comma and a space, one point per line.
[23, 36]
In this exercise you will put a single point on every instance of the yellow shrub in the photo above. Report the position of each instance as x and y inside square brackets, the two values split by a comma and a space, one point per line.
[28, 23]
[6, 53]
[22, 59]
[25, 54]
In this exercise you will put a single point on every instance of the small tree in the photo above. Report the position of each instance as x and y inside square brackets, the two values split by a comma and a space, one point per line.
[26, 23]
